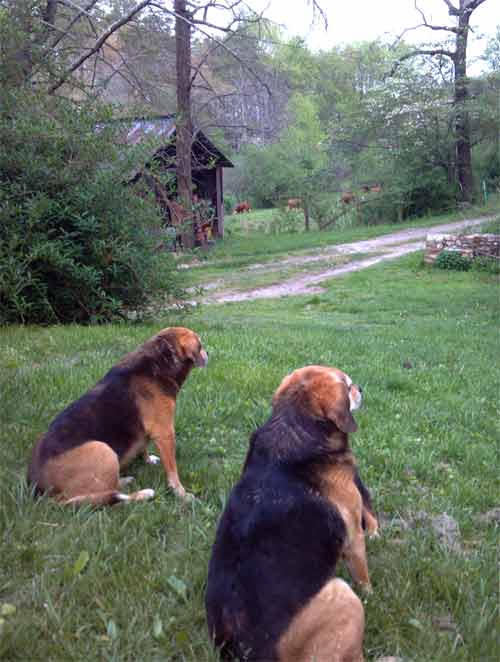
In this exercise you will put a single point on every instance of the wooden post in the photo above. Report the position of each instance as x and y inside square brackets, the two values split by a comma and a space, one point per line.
[220, 202]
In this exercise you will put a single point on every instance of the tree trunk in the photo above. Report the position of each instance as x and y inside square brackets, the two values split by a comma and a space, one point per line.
[462, 124]
[184, 132]
[306, 217]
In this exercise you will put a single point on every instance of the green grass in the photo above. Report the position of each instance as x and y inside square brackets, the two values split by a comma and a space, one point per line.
[493, 226]
[127, 583]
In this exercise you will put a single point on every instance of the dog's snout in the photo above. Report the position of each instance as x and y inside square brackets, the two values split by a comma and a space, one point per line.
[202, 360]
[355, 396]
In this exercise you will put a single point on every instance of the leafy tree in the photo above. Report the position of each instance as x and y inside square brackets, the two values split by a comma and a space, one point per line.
[457, 54]
[293, 166]
[492, 53]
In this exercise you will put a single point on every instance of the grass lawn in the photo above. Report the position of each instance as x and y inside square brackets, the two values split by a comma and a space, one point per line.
[127, 583]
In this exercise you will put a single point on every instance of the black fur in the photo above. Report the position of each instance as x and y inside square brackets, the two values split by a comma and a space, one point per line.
[108, 412]
[278, 540]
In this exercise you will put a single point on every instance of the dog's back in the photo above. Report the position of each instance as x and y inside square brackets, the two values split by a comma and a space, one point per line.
[277, 542]
[106, 412]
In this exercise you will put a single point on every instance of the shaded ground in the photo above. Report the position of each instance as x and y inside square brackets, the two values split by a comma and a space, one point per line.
[387, 247]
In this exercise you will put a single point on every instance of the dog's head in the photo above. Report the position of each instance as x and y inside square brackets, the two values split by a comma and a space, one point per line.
[323, 393]
[184, 345]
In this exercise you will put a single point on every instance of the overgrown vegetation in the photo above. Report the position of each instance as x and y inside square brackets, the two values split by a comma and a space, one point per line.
[127, 583]
[371, 129]
[76, 243]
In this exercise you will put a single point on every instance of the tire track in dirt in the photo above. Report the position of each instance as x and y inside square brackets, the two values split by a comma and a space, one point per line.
[404, 242]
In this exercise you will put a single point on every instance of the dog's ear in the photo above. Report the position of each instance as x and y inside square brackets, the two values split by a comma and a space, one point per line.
[166, 349]
[333, 401]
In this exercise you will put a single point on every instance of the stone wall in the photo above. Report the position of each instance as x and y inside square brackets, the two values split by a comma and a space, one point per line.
[468, 245]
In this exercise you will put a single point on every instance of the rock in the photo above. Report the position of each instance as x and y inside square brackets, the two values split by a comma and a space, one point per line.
[388, 521]
[447, 531]
[444, 622]
[490, 517]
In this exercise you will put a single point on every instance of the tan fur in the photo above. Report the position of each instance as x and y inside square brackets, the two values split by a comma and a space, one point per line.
[334, 609]
[158, 415]
[324, 393]
[89, 472]
[339, 488]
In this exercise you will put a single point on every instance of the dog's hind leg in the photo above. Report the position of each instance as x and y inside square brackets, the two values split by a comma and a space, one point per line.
[87, 474]
[330, 627]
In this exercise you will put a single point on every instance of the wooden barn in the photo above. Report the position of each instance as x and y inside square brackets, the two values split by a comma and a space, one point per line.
[207, 163]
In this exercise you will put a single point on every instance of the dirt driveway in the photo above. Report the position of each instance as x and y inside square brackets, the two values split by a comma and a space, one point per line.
[388, 247]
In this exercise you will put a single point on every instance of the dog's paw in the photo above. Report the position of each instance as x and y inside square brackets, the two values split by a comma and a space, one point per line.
[145, 495]
[366, 589]
[152, 459]
[181, 493]
[188, 497]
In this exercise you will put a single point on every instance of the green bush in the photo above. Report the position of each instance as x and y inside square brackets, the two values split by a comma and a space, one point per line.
[229, 203]
[452, 260]
[483, 263]
[76, 243]
[286, 221]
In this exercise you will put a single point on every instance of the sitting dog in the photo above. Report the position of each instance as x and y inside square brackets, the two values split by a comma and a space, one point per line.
[79, 458]
[298, 507]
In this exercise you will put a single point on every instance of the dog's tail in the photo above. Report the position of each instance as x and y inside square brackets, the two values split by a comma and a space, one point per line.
[108, 498]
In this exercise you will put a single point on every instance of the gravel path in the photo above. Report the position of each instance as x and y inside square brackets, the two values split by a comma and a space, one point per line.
[389, 246]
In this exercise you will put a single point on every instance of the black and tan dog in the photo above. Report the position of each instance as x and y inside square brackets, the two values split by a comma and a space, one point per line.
[298, 508]
[79, 458]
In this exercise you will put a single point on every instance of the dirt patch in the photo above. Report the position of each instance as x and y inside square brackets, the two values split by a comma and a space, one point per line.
[388, 247]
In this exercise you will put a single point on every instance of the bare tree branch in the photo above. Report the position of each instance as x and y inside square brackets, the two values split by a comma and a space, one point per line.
[317, 8]
[421, 51]
[102, 40]
[447, 28]
[452, 10]
[219, 42]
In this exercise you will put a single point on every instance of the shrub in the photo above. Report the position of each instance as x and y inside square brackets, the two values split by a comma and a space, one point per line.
[229, 203]
[483, 263]
[286, 221]
[326, 212]
[76, 243]
[452, 260]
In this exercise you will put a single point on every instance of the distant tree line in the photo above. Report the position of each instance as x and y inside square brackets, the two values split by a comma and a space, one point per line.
[75, 245]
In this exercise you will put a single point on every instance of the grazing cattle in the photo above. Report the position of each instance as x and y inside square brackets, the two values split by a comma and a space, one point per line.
[348, 197]
[242, 207]
[294, 203]
[376, 189]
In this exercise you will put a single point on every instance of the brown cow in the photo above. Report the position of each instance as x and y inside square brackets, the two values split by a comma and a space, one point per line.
[376, 189]
[242, 207]
[294, 203]
[348, 197]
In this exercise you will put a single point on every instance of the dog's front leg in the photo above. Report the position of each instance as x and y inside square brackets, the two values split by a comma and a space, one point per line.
[355, 558]
[164, 439]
